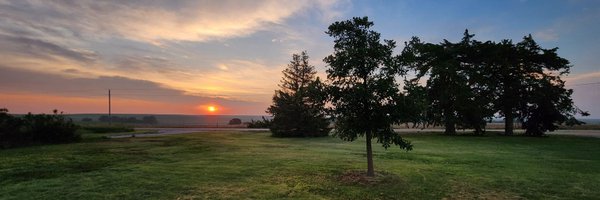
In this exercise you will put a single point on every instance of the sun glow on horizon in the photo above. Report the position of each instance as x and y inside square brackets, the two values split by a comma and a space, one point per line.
[211, 109]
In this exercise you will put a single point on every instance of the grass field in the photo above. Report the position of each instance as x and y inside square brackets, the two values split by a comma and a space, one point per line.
[230, 165]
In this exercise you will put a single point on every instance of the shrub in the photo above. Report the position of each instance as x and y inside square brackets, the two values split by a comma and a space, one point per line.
[264, 123]
[36, 129]
[9, 129]
[235, 121]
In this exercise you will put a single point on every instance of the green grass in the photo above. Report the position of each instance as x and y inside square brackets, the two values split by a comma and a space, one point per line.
[231, 165]
[90, 136]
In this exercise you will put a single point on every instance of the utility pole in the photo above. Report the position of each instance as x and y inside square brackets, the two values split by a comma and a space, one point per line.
[109, 109]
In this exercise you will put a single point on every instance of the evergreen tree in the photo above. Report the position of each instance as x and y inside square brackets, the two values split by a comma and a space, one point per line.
[447, 86]
[470, 81]
[299, 105]
[529, 87]
[546, 101]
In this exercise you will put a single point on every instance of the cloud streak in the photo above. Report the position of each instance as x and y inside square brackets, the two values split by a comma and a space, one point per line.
[42, 49]
[20, 84]
[153, 21]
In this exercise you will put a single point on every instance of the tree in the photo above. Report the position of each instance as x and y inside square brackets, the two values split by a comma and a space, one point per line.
[363, 89]
[530, 87]
[504, 63]
[235, 121]
[415, 105]
[447, 86]
[476, 106]
[470, 81]
[149, 120]
[299, 105]
[547, 103]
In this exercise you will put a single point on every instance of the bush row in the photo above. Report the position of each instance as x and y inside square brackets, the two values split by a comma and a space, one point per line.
[36, 129]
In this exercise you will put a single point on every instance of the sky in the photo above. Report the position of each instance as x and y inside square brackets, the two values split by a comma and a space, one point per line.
[181, 57]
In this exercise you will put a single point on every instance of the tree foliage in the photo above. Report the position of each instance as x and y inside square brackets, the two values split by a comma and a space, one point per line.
[299, 105]
[235, 121]
[456, 87]
[364, 94]
[470, 81]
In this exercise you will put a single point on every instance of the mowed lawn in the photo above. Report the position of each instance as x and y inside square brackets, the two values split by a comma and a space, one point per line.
[240, 165]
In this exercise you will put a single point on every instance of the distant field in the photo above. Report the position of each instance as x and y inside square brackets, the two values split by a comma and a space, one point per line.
[223, 120]
[173, 120]
[234, 165]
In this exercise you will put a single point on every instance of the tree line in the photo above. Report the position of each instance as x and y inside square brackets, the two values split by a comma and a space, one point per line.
[461, 84]
[117, 119]
[470, 82]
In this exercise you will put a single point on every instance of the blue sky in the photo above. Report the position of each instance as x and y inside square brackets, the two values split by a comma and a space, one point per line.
[182, 56]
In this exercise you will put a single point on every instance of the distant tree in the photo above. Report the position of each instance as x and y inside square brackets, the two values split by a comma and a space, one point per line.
[235, 121]
[364, 94]
[104, 118]
[131, 120]
[264, 123]
[299, 105]
[87, 119]
[149, 120]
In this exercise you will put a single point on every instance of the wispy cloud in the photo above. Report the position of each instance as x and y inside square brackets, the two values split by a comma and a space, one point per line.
[153, 21]
[582, 78]
[549, 34]
[31, 47]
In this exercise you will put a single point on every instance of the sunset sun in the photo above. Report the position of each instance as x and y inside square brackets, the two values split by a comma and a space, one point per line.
[212, 109]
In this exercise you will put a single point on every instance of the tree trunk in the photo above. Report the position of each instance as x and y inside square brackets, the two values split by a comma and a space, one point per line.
[508, 123]
[478, 130]
[449, 126]
[370, 169]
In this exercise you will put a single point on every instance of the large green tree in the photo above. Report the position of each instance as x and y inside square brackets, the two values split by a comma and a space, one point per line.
[364, 93]
[298, 107]
[470, 81]
[529, 86]
[546, 101]
[446, 66]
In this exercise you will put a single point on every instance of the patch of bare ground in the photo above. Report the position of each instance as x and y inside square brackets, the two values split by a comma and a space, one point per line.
[354, 177]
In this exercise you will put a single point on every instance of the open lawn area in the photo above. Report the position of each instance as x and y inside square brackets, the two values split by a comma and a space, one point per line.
[241, 165]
